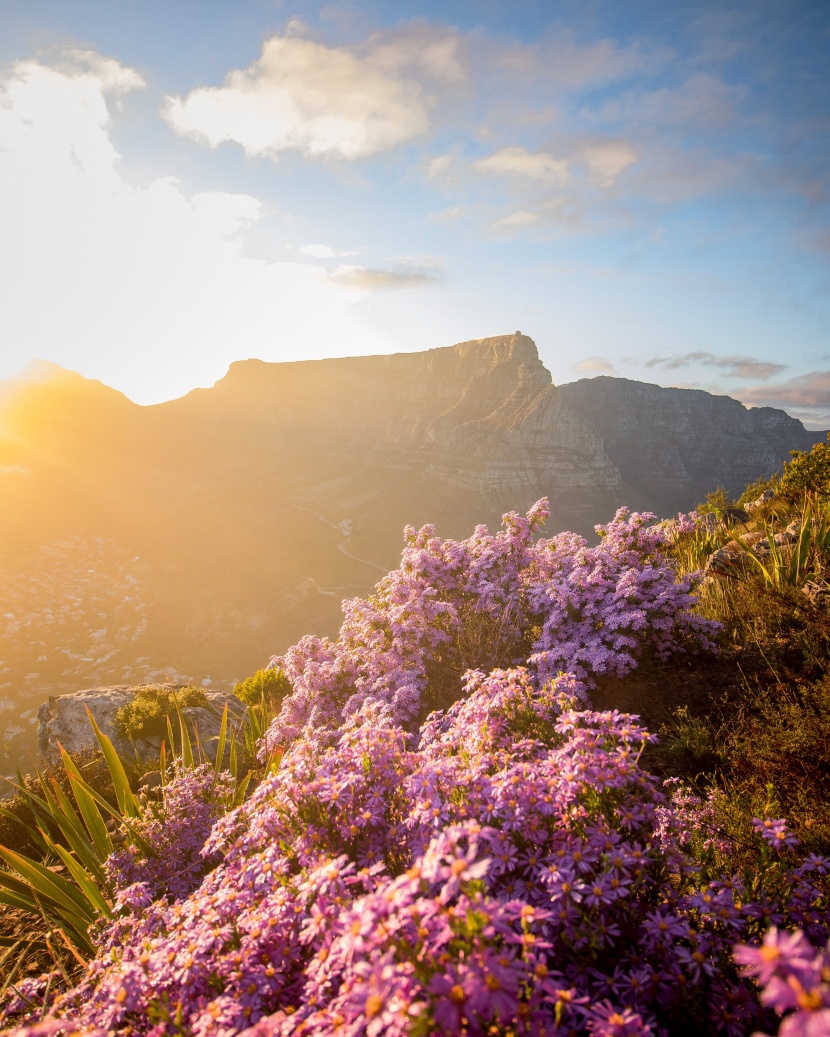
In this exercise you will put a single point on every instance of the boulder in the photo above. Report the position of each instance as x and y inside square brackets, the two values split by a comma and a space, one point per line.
[734, 516]
[64, 720]
[729, 560]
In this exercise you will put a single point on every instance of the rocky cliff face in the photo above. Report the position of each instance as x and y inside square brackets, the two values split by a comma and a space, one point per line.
[234, 520]
[478, 415]
[675, 445]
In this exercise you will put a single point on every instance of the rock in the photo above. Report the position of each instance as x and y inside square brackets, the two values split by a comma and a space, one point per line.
[753, 539]
[817, 593]
[151, 785]
[734, 516]
[729, 560]
[708, 522]
[64, 720]
[759, 502]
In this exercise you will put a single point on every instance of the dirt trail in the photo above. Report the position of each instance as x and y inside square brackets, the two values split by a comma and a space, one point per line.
[342, 545]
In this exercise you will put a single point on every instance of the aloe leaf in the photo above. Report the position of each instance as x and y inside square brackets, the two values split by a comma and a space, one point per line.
[233, 765]
[114, 812]
[239, 795]
[220, 744]
[186, 747]
[85, 882]
[73, 831]
[49, 885]
[127, 801]
[93, 819]
[34, 901]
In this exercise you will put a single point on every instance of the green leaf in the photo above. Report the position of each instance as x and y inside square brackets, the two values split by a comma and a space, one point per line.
[239, 795]
[127, 801]
[220, 744]
[72, 830]
[233, 766]
[49, 885]
[93, 818]
[186, 748]
[85, 882]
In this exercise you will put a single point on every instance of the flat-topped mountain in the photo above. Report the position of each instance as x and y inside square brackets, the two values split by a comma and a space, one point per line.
[198, 536]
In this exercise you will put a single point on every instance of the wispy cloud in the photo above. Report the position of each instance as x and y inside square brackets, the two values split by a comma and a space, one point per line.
[807, 390]
[594, 365]
[364, 279]
[734, 366]
[521, 164]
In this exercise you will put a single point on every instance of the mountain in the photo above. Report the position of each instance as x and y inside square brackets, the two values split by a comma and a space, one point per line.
[198, 536]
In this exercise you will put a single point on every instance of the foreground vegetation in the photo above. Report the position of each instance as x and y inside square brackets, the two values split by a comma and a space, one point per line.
[441, 836]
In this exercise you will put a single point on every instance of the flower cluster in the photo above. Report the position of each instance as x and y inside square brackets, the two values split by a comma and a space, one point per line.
[796, 980]
[493, 600]
[514, 868]
[503, 865]
[176, 828]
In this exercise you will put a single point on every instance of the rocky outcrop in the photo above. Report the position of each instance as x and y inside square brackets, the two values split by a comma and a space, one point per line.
[65, 721]
[676, 445]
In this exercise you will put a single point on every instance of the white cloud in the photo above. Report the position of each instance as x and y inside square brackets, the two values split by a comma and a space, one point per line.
[607, 159]
[521, 218]
[521, 164]
[594, 365]
[318, 251]
[146, 288]
[336, 102]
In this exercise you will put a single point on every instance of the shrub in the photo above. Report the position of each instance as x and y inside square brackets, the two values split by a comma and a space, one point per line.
[493, 601]
[808, 471]
[716, 502]
[754, 490]
[147, 714]
[266, 687]
[505, 865]
[517, 865]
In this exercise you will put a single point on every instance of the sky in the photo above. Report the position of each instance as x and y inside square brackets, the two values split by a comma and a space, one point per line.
[641, 187]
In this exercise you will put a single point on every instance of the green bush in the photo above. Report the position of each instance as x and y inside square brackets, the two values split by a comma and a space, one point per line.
[146, 716]
[265, 687]
[717, 502]
[808, 472]
[754, 489]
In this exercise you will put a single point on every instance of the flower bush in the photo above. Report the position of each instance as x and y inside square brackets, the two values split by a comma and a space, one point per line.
[506, 866]
[493, 600]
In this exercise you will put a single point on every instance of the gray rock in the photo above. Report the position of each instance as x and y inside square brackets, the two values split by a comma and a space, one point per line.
[729, 560]
[64, 720]
[759, 502]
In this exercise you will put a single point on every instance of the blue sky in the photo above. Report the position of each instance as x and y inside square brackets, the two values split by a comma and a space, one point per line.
[640, 187]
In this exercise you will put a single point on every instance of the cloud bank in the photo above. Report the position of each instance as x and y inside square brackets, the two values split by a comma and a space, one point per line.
[734, 366]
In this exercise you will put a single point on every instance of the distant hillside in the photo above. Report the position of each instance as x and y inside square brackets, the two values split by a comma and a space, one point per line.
[197, 536]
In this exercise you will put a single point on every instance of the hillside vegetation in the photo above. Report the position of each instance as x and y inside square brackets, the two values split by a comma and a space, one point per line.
[452, 827]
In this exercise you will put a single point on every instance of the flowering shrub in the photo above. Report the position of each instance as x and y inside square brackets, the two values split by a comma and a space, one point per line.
[507, 867]
[493, 600]
[796, 979]
[176, 829]
[514, 868]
